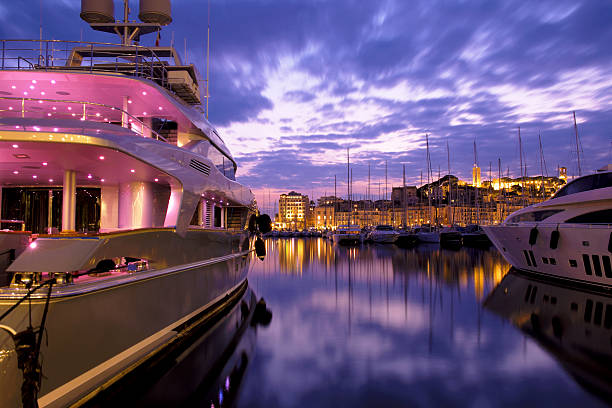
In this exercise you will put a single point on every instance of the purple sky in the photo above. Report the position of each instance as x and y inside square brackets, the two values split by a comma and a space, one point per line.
[294, 83]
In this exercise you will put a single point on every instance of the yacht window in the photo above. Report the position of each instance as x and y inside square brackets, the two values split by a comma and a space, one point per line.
[595, 217]
[222, 163]
[534, 216]
[592, 182]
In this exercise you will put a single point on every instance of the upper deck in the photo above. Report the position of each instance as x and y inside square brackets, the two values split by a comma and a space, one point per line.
[147, 90]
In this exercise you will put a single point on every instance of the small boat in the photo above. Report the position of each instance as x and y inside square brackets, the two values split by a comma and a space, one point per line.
[383, 234]
[567, 237]
[474, 236]
[450, 237]
[428, 235]
[347, 235]
[406, 239]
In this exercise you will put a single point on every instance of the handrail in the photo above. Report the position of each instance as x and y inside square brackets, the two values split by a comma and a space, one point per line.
[146, 61]
[84, 114]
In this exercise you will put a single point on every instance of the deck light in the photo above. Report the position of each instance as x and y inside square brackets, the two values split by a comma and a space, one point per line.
[102, 180]
[35, 176]
[74, 114]
[89, 176]
[33, 81]
[33, 244]
[144, 113]
[129, 101]
[25, 92]
[13, 87]
[54, 108]
[45, 163]
[10, 108]
[55, 129]
[156, 180]
[15, 146]
[42, 93]
[16, 126]
[144, 93]
[31, 86]
[160, 108]
[15, 172]
[36, 128]
[39, 101]
[50, 180]
[132, 171]
[53, 81]
[98, 114]
[101, 157]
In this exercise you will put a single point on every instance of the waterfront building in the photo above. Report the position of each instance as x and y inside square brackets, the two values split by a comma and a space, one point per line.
[293, 209]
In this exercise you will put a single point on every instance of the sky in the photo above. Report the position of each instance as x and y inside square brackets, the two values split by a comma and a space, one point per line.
[295, 83]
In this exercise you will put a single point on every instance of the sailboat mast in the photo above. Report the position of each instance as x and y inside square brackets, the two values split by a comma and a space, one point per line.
[541, 163]
[404, 215]
[428, 178]
[521, 162]
[348, 183]
[476, 186]
[577, 145]
[335, 201]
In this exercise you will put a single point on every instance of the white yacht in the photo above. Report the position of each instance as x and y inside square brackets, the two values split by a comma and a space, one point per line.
[347, 235]
[566, 237]
[138, 226]
[383, 234]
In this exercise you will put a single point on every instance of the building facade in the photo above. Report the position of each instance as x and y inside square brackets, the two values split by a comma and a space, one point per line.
[293, 211]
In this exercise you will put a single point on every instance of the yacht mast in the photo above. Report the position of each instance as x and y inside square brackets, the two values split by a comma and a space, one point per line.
[476, 186]
[404, 215]
[577, 145]
[521, 162]
[541, 163]
[428, 180]
[450, 186]
[348, 183]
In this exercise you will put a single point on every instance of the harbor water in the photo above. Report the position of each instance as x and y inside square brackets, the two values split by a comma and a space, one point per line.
[381, 326]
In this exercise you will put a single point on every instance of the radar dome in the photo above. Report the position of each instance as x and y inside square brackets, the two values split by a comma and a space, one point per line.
[155, 11]
[98, 11]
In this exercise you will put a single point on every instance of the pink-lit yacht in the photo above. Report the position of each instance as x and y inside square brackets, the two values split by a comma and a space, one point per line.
[138, 228]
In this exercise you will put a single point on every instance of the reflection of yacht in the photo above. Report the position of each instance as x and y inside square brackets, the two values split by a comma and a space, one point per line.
[110, 145]
[567, 236]
[571, 324]
[347, 235]
[211, 366]
[383, 234]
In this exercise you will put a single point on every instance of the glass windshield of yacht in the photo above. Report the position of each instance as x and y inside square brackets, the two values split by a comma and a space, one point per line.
[592, 182]
[534, 216]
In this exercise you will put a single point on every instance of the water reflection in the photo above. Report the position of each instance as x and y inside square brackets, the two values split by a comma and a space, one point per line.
[572, 324]
[206, 369]
[377, 325]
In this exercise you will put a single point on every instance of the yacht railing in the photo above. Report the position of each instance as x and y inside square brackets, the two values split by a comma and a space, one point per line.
[84, 111]
[51, 55]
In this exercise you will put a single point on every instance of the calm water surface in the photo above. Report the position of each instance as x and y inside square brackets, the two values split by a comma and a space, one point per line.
[382, 326]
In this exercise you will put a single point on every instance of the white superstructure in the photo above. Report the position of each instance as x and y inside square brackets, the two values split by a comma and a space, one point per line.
[567, 236]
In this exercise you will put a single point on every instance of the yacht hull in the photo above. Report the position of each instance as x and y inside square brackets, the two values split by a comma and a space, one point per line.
[99, 330]
[578, 253]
